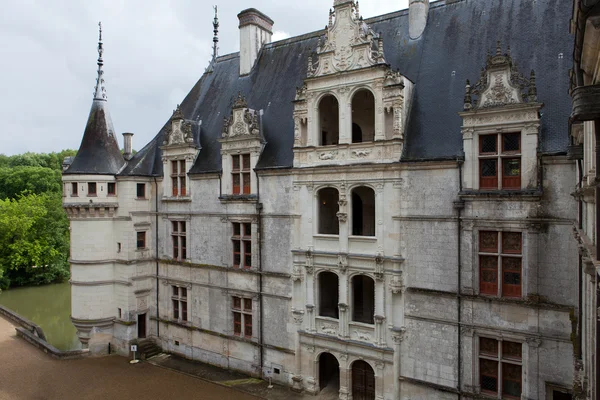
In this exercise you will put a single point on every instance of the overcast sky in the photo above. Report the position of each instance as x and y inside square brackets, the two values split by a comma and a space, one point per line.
[155, 50]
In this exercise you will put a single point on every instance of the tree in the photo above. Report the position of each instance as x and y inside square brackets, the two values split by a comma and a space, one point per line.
[38, 180]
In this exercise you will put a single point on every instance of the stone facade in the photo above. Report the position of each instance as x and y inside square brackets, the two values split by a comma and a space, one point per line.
[354, 269]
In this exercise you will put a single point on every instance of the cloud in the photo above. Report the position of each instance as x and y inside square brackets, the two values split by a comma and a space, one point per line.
[280, 35]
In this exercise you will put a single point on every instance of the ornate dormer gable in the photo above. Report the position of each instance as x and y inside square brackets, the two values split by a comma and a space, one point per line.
[242, 142]
[500, 84]
[243, 122]
[349, 43]
[179, 151]
[179, 131]
[501, 122]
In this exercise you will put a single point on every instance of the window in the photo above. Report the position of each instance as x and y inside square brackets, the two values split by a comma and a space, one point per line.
[500, 254]
[363, 299]
[328, 209]
[363, 211]
[178, 171]
[500, 169]
[141, 191]
[91, 188]
[111, 188]
[74, 189]
[178, 236]
[363, 116]
[141, 240]
[242, 316]
[328, 295]
[179, 299]
[240, 173]
[500, 368]
[329, 120]
[242, 245]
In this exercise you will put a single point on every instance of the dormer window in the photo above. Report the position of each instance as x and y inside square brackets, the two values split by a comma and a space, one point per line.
[178, 171]
[240, 173]
[500, 161]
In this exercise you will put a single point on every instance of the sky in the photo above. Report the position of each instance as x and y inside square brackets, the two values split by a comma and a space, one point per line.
[154, 52]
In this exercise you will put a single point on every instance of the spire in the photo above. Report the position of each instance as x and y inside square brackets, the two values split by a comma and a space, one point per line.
[216, 36]
[100, 90]
[99, 151]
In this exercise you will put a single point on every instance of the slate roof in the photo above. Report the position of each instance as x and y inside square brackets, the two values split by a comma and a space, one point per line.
[99, 151]
[452, 49]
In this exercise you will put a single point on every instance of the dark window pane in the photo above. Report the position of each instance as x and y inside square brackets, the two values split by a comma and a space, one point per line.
[236, 229]
[182, 225]
[111, 188]
[175, 226]
[248, 304]
[488, 347]
[488, 167]
[237, 302]
[182, 167]
[511, 380]
[488, 144]
[511, 142]
[489, 375]
[247, 229]
[184, 310]
[511, 264]
[246, 162]
[176, 309]
[511, 350]
[237, 259]
[512, 278]
[248, 261]
[511, 242]
[173, 167]
[512, 167]
[247, 325]
[236, 183]
[236, 162]
[236, 246]
[246, 178]
[141, 240]
[92, 188]
[175, 291]
[183, 292]
[141, 190]
[237, 323]
[488, 242]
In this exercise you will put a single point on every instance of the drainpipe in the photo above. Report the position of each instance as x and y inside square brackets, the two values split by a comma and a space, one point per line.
[459, 206]
[259, 208]
[156, 256]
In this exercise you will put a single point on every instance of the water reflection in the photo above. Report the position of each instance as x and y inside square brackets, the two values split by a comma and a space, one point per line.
[48, 306]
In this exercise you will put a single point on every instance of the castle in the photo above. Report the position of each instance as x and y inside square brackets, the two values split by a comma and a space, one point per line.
[380, 209]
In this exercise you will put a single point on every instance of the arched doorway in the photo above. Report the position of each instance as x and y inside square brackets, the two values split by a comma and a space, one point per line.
[363, 381]
[329, 373]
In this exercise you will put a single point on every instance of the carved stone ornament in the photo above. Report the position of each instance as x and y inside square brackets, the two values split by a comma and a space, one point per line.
[329, 329]
[342, 217]
[349, 43]
[379, 266]
[179, 131]
[243, 121]
[500, 84]
[534, 342]
[343, 263]
[309, 266]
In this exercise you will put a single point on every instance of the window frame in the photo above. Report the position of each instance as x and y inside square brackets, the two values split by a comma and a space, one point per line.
[500, 288]
[140, 239]
[74, 189]
[179, 303]
[137, 191]
[241, 172]
[93, 193]
[501, 157]
[242, 316]
[178, 178]
[241, 239]
[179, 240]
[108, 189]
[501, 361]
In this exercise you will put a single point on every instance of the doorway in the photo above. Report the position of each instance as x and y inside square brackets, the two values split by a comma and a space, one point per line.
[363, 381]
[141, 324]
[329, 373]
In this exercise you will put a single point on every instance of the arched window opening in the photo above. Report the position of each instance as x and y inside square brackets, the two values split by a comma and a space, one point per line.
[363, 115]
[329, 121]
[363, 381]
[328, 295]
[356, 133]
[363, 211]
[363, 299]
[328, 208]
[329, 374]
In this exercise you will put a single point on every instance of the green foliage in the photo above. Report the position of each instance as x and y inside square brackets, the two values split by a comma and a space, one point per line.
[34, 230]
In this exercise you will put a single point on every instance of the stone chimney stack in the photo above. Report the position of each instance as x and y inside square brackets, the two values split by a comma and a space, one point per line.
[256, 29]
[417, 17]
[127, 145]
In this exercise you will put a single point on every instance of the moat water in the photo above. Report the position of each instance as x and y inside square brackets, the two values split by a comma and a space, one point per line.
[48, 306]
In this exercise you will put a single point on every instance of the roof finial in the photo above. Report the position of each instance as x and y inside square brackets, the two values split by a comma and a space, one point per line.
[100, 90]
[498, 48]
[216, 36]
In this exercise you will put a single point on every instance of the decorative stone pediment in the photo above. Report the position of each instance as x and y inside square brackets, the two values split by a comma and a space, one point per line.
[500, 84]
[243, 122]
[179, 131]
[349, 43]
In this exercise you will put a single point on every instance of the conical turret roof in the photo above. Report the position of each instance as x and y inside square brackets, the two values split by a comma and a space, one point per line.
[99, 151]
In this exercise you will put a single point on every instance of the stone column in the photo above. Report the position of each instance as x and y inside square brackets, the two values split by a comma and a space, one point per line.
[343, 328]
[379, 380]
[397, 337]
[379, 330]
[343, 220]
[530, 386]
[530, 250]
[344, 377]
[297, 377]
[310, 314]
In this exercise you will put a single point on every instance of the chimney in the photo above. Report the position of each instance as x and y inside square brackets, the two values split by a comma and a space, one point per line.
[417, 17]
[127, 136]
[256, 29]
